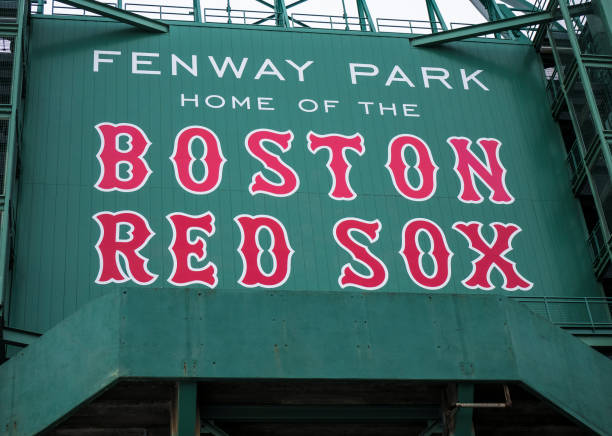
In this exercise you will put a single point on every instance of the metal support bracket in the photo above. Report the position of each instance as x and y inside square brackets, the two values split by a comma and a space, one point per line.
[497, 26]
[121, 15]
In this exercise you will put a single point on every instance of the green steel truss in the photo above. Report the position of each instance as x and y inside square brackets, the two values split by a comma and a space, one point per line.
[498, 26]
[118, 14]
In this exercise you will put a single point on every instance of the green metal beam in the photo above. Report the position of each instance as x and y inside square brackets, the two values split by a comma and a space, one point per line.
[7, 218]
[18, 337]
[463, 425]
[364, 15]
[507, 13]
[434, 15]
[265, 3]
[121, 15]
[497, 26]
[523, 4]
[185, 420]
[8, 29]
[197, 12]
[296, 3]
[281, 13]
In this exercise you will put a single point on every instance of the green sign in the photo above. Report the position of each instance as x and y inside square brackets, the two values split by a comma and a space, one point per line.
[219, 158]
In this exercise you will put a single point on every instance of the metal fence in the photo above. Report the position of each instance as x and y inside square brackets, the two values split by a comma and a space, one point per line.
[332, 22]
[416, 27]
[239, 16]
[591, 314]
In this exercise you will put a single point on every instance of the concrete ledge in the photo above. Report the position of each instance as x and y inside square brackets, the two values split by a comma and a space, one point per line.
[190, 334]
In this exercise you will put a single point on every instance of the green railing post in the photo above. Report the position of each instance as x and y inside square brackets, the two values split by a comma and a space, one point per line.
[345, 16]
[548, 315]
[364, 16]
[586, 303]
[197, 14]
[40, 9]
[435, 16]
[120, 4]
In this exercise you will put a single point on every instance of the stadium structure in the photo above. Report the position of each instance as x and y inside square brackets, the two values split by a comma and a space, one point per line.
[267, 221]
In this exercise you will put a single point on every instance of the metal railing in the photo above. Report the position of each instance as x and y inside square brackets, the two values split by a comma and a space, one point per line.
[553, 85]
[161, 12]
[332, 22]
[590, 314]
[417, 27]
[597, 244]
[239, 16]
[454, 25]
[574, 161]
[58, 8]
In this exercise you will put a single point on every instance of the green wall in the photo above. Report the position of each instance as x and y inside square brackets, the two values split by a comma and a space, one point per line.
[56, 261]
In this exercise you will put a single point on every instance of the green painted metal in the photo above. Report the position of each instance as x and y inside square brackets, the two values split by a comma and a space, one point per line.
[289, 335]
[185, 420]
[507, 13]
[365, 16]
[581, 146]
[210, 428]
[18, 337]
[522, 4]
[8, 29]
[281, 13]
[604, 11]
[435, 16]
[120, 15]
[586, 83]
[56, 262]
[197, 11]
[464, 415]
[518, 22]
[7, 218]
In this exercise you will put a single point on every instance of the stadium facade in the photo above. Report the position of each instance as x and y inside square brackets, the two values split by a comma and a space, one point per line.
[259, 222]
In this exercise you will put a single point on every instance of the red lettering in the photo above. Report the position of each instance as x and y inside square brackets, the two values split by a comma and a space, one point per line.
[112, 158]
[412, 254]
[250, 251]
[338, 165]
[184, 249]
[492, 256]
[111, 248]
[493, 174]
[183, 160]
[378, 274]
[289, 178]
[425, 165]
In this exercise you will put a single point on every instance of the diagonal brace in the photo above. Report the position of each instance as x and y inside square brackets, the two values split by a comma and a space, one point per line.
[121, 15]
[497, 26]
